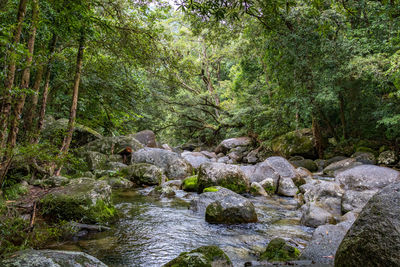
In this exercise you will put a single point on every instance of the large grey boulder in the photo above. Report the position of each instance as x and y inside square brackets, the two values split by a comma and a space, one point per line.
[51, 258]
[282, 167]
[260, 172]
[314, 215]
[231, 209]
[325, 242]
[195, 158]
[174, 166]
[200, 203]
[374, 238]
[211, 256]
[113, 144]
[228, 144]
[334, 168]
[287, 187]
[147, 138]
[354, 200]
[143, 174]
[225, 175]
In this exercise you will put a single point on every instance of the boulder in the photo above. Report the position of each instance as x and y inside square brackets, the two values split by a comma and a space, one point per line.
[84, 199]
[166, 147]
[203, 256]
[374, 238]
[314, 216]
[231, 209]
[52, 181]
[225, 175]
[287, 187]
[339, 166]
[174, 166]
[364, 157]
[113, 144]
[257, 189]
[325, 242]
[174, 184]
[143, 174]
[118, 182]
[147, 138]
[51, 258]
[208, 154]
[334, 159]
[305, 163]
[354, 200]
[282, 167]
[96, 160]
[228, 144]
[279, 250]
[299, 142]
[195, 158]
[55, 132]
[367, 177]
[268, 185]
[224, 160]
[210, 195]
[387, 158]
[115, 166]
[252, 157]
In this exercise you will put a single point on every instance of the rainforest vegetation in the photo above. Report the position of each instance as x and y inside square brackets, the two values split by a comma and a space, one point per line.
[193, 72]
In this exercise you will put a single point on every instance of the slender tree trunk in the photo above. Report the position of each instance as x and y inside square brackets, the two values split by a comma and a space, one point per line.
[207, 79]
[72, 116]
[42, 112]
[31, 112]
[9, 81]
[342, 116]
[19, 105]
[316, 130]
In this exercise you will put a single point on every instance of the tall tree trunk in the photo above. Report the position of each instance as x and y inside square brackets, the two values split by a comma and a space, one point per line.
[72, 116]
[207, 79]
[42, 112]
[19, 104]
[31, 112]
[9, 81]
[316, 130]
[342, 116]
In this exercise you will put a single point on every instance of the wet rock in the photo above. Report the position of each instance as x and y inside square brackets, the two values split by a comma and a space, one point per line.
[143, 174]
[306, 163]
[260, 172]
[279, 250]
[228, 144]
[295, 143]
[217, 193]
[387, 158]
[203, 256]
[113, 144]
[118, 182]
[96, 160]
[174, 184]
[231, 209]
[314, 216]
[51, 258]
[325, 242]
[367, 177]
[257, 190]
[190, 184]
[83, 199]
[287, 187]
[195, 158]
[353, 200]
[374, 238]
[225, 175]
[147, 138]
[163, 191]
[364, 157]
[174, 166]
[339, 166]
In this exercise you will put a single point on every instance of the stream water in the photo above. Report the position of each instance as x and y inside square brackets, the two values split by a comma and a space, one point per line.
[153, 231]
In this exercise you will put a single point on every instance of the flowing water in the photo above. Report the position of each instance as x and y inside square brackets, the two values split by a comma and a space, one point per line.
[153, 231]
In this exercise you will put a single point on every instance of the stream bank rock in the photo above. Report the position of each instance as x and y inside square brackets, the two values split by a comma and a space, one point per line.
[231, 209]
[147, 138]
[51, 258]
[232, 143]
[173, 165]
[299, 142]
[374, 238]
[225, 175]
[83, 199]
[202, 256]
[195, 158]
[111, 145]
[143, 174]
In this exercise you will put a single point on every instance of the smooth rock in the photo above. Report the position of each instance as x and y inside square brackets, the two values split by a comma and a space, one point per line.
[228, 144]
[147, 138]
[287, 187]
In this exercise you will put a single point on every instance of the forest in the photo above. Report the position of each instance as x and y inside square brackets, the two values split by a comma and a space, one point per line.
[288, 100]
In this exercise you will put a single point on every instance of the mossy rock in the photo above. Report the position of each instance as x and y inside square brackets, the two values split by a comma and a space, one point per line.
[279, 250]
[190, 184]
[295, 143]
[143, 174]
[207, 256]
[212, 189]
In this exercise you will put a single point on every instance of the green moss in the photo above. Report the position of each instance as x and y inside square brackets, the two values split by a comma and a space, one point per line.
[206, 256]
[65, 207]
[294, 143]
[211, 189]
[190, 184]
[278, 250]
[366, 149]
